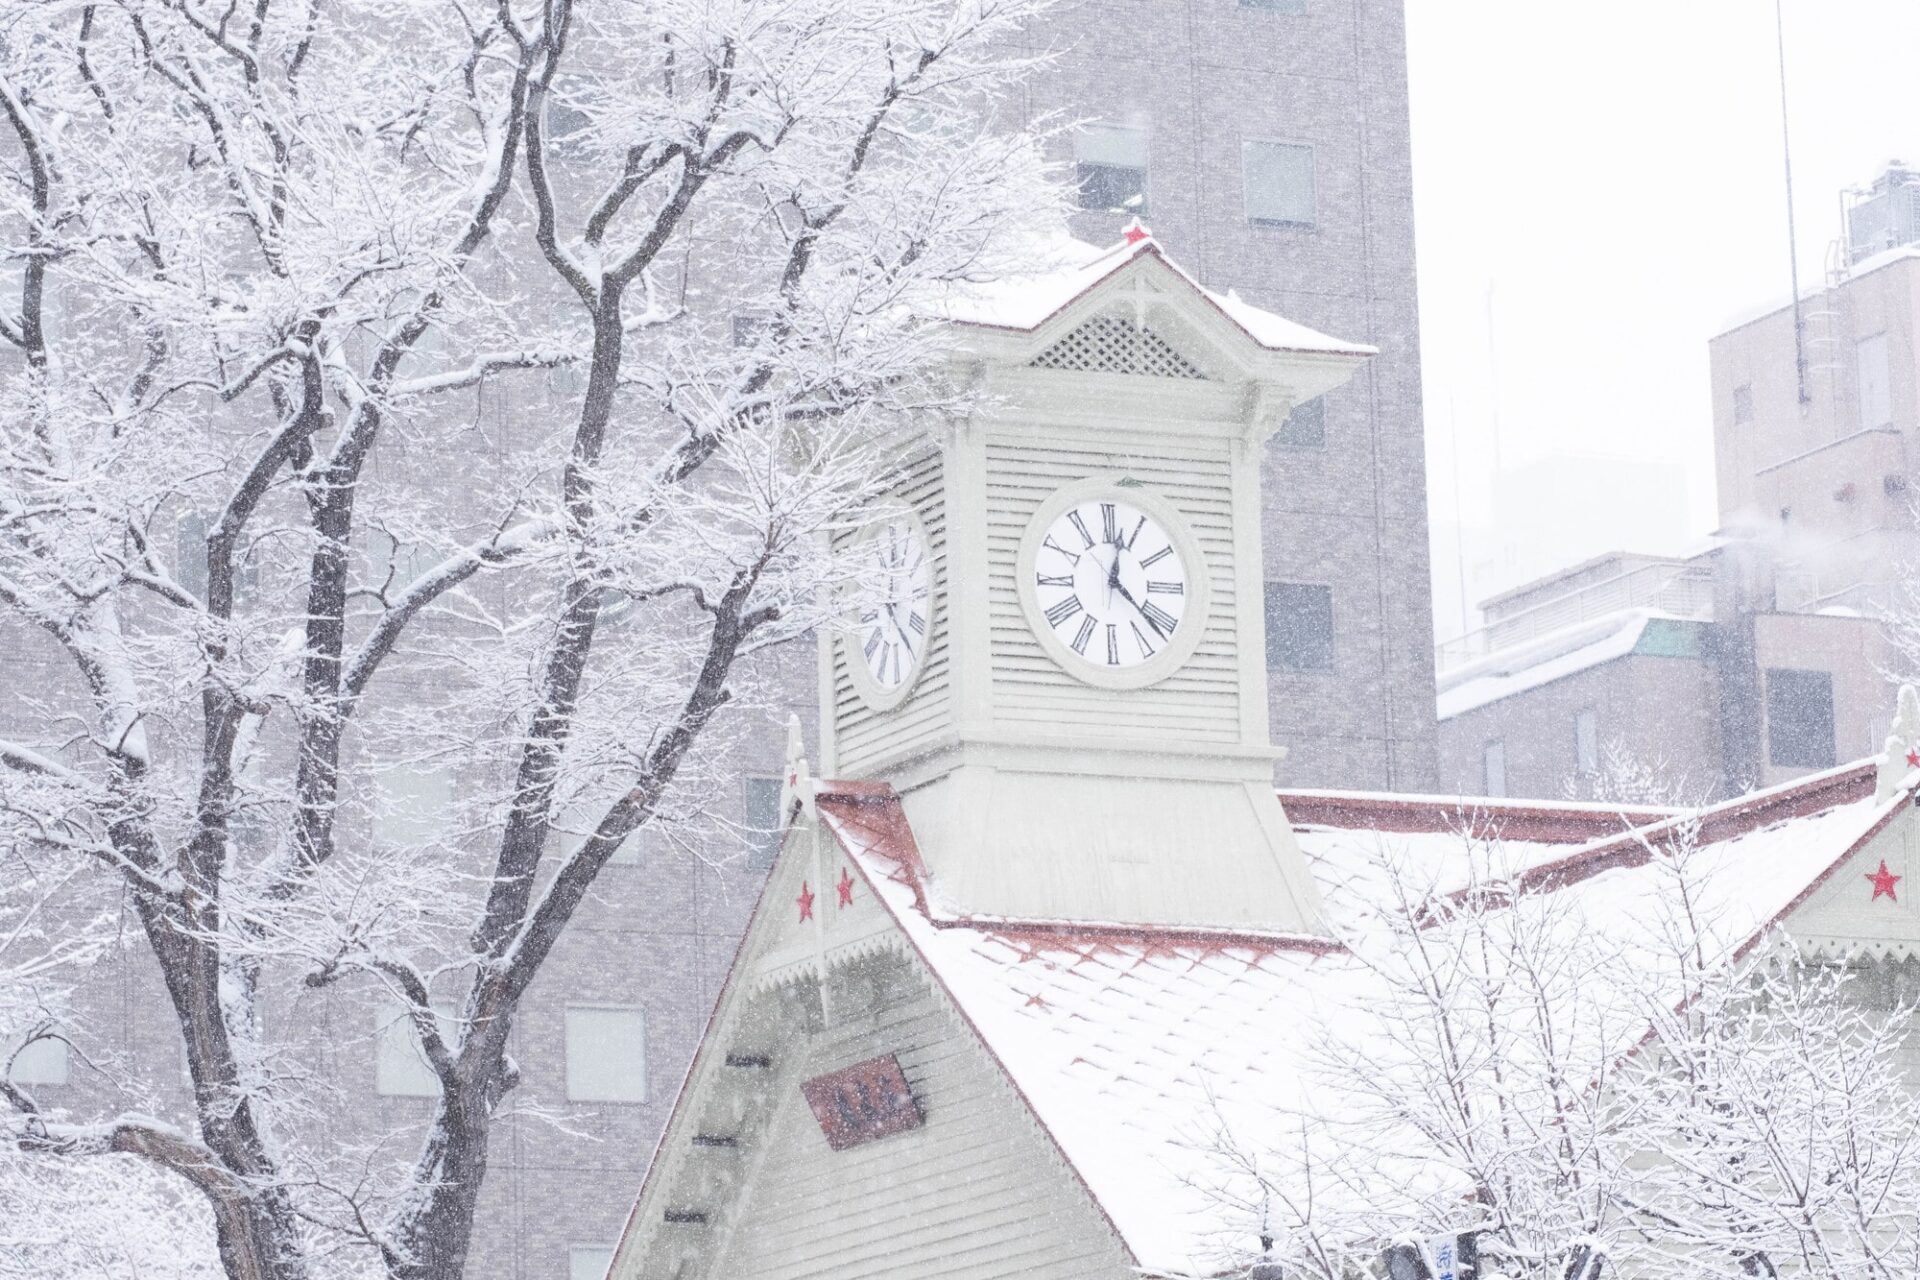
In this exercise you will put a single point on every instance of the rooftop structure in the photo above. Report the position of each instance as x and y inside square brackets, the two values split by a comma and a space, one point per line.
[1759, 656]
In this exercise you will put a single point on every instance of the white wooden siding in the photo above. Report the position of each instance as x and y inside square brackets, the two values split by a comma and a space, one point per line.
[1200, 701]
[977, 1191]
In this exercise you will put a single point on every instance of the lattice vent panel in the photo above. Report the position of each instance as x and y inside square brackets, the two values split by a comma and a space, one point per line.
[1111, 344]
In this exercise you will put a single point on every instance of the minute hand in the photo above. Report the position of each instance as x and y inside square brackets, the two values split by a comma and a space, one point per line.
[1141, 609]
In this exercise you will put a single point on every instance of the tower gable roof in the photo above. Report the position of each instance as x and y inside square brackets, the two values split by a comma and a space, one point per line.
[1223, 337]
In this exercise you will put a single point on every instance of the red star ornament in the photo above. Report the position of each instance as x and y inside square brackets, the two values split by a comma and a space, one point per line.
[1883, 881]
[806, 901]
[1135, 233]
[845, 888]
[1913, 758]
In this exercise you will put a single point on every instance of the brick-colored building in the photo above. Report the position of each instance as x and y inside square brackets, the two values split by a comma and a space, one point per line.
[1266, 143]
[1816, 409]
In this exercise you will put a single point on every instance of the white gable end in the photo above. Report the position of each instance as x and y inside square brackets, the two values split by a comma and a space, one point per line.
[1115, 344]
[1867, 902]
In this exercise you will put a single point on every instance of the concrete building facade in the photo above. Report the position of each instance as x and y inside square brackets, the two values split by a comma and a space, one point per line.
[1266, 142]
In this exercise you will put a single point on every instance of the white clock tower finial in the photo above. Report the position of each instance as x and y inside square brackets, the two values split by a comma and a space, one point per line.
[1081, 731]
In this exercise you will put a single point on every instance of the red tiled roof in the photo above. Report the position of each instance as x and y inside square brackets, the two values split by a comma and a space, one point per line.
[1125, 1041]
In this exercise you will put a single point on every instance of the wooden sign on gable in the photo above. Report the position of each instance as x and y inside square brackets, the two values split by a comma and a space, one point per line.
[862, 1102]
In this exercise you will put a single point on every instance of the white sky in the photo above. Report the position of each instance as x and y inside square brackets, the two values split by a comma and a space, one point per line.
[1613, 172]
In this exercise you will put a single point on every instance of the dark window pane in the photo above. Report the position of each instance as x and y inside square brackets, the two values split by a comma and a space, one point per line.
[190, 554]
[1111, 165]
[1493, 764]
[1743, 403]
[1800, 718]
[762, 822]
[1306, 426]
[1299, 627]
[1586, 740]
[751, 330]
[1280, 184]
[1113, 186]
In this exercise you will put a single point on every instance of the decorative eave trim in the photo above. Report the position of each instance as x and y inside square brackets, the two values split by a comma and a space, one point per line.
[881, 793]
[633, 1232]
[1834, 947]
[838, 956]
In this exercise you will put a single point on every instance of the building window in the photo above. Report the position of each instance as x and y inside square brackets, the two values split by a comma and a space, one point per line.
[400, 1068]
[1276, 6]
[1306, 426]
[567, 121]
[762, 822]
[1876, 385]
[588, 1262]
[42, 1061]
[1299, 627]
[190, 554]
[1743, 404]
[616, 607]
[606, 1054]
[1279, 180]
[1800, 718]
[751, 328]
[393, 565]
[574, 827]
[414, 804]
[1586, 740]
[1110, 161]
[1493, 765]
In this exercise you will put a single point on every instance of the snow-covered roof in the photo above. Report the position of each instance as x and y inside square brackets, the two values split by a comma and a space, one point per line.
[1553, 656]
[1757, 312]
[1135, 1045]
[1073, 268]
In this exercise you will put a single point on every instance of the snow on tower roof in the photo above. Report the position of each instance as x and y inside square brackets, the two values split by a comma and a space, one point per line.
[1074, 268]
[1134, 1046]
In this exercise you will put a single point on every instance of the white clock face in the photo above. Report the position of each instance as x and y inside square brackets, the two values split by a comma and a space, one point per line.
[894, 625]
[1110, 583]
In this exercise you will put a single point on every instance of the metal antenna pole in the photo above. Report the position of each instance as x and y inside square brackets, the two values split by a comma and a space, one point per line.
[1793, 248]
[1459, 512]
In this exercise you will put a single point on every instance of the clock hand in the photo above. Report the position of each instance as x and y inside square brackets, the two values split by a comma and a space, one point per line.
[1141, 610]
[893, 616]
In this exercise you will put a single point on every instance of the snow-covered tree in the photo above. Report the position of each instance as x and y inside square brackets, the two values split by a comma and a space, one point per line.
[364, 362]
[1641, 1087]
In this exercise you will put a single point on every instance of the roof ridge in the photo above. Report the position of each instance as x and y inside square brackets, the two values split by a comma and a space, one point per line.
[1727, 820]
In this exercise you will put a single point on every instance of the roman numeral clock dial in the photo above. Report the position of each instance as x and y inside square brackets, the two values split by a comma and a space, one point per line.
[895, 619]
[1109, 582]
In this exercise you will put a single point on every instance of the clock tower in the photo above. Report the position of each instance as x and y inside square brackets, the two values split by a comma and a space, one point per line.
[1065, 679]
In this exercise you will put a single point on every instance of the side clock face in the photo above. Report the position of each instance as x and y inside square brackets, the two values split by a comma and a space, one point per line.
[895, 620]
[1110, 583]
